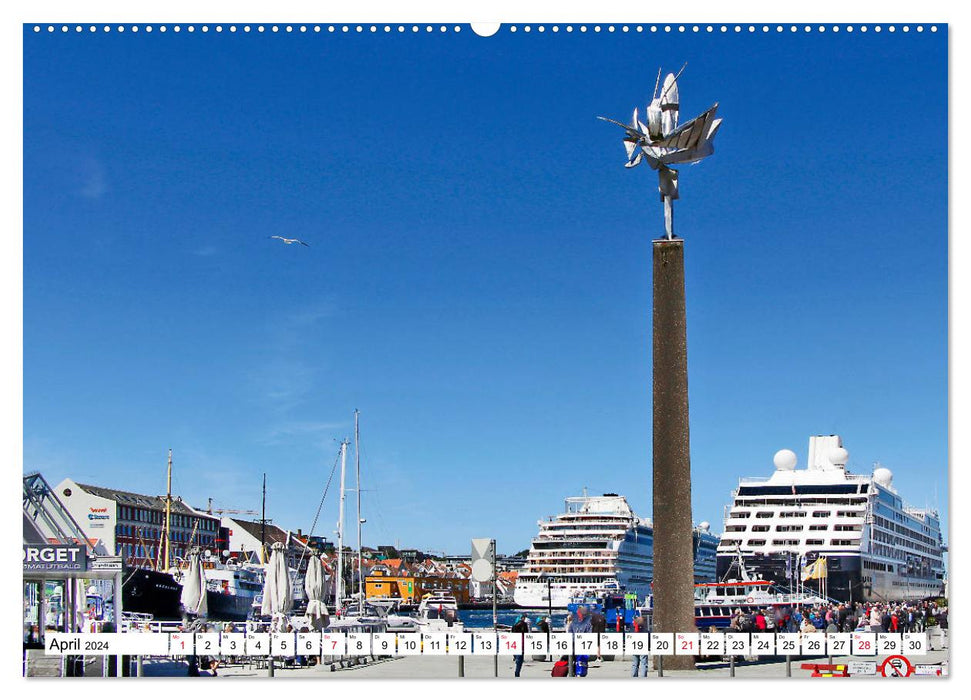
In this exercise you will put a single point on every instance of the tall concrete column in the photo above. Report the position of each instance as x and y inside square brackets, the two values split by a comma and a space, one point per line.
[673, 556]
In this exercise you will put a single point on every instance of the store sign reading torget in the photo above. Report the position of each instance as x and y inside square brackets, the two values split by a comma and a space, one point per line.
[55, 557]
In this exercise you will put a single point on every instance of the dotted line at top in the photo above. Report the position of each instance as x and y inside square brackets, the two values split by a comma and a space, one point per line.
[512, 28]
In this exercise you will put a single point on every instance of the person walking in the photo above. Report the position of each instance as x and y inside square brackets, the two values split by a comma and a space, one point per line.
[875, 619]
[581, 624]
[598, 625]
[638, 661]
[760, 623]
[521, 627]
[885, 620]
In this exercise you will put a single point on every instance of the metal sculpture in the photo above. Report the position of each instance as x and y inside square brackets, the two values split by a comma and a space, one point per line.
[662, 143]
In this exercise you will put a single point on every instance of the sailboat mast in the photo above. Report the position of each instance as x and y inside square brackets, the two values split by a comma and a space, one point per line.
[168, 512]
[263, 525]
[357, 457]
[339, 589]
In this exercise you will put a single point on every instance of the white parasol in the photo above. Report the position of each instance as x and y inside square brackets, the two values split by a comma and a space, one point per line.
[313, 584]
[277, 592]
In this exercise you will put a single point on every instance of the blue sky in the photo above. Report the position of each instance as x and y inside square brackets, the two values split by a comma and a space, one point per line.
[478, 281]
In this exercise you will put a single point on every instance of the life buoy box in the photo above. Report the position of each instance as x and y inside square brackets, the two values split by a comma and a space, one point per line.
[750, 599]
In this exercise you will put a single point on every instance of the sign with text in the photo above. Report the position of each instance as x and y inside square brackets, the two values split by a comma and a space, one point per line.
[409, 644]
[55, 558]
[510, 643]
[712, 644]
[484, 643]
[585, 643]
[865, 644]
[207, 644]
[686, 643]
[459, 643]
[535, 643]
[561, 643]
[763, 644]
[358, 644]
[232, 644]
[638, 643]
[309, 643]
[434, 643]
[282, 644]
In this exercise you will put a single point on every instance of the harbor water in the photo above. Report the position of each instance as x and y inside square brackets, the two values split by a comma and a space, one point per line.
[481, 619]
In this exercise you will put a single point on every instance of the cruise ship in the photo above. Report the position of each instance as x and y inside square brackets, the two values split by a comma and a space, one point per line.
[598, 544]
[876, 547]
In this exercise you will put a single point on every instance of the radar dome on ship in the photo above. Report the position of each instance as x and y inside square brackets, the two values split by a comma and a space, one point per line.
[883, 476]
[838, 456]
[785, 460]
[705, 525]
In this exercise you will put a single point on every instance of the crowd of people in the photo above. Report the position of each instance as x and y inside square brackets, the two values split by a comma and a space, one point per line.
[904, 616]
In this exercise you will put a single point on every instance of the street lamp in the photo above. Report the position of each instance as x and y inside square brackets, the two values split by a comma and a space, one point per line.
[549, 602]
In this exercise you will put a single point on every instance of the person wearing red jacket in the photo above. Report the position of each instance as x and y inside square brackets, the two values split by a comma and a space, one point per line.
[561, 669]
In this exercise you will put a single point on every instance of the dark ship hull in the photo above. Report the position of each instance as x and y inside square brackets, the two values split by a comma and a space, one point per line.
[228, 608]
[150, 592]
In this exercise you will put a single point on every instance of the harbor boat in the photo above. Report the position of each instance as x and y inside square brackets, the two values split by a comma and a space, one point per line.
[231, 590]
[612, 604]
[716, 603]
[438, 611]
[598, 544]
[874, 547]
[369, 613]
[151, 592]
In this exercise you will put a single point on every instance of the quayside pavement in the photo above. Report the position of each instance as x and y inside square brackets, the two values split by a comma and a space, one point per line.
[436, 667]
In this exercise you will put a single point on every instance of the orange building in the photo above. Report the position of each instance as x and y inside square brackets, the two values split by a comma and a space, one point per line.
[411, 588]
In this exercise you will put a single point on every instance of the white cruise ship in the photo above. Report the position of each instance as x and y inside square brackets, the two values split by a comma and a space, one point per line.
[876, 547]
[598, 544]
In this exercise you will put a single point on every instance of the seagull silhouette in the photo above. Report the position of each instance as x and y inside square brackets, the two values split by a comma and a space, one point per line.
[288, 241]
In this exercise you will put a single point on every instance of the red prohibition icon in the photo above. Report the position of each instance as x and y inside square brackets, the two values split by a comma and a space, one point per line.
[896, 666]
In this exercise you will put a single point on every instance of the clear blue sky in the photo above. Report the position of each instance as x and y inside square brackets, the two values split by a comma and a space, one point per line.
[478, 282]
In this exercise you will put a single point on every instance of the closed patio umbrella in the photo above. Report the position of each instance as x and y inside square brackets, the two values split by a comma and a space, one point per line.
[194, 586]
[277, 591]
[313, 584]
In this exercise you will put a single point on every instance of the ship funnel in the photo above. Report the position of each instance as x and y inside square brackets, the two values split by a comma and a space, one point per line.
[823, 449]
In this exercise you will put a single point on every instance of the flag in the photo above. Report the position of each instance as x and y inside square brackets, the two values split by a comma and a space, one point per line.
[822, 570]
[808, 571]
[816, 570]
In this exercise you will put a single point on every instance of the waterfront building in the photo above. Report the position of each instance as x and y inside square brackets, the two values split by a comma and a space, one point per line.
[246, 537]
[131, 525]
[411, 587]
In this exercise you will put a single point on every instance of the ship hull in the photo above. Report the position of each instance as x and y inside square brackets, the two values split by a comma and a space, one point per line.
[529, 594]
[150, 592]
[226, 607]
[846, 581]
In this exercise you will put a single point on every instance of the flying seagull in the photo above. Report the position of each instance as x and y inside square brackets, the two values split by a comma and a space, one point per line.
[288, 241]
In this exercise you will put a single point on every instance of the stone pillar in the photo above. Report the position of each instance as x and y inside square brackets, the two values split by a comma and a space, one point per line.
[673, 553]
